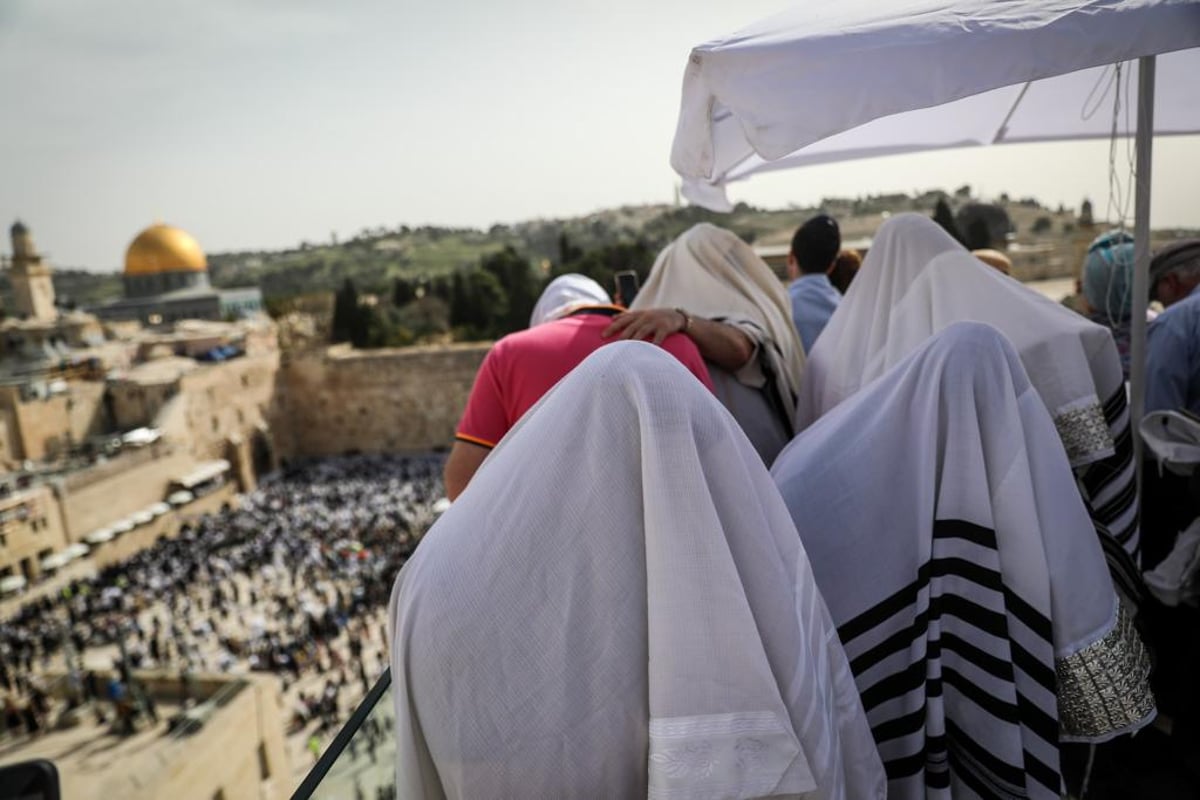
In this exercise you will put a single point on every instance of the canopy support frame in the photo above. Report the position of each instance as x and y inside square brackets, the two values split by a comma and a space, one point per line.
[1141, 253]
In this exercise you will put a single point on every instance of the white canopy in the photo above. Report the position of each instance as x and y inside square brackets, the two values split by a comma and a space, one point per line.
[794, 89]
[55, 561]
[123, 526]
[820, 70]
[180, 498]
[142, 517]
[77, 550]
[204, 472]
[100, 536]
[139, 437]
[12, 583]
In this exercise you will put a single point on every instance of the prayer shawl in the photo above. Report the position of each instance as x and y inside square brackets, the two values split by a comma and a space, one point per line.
[619, 606]
[915, 281]
[711, 273]
[960, 566]
[564, 294]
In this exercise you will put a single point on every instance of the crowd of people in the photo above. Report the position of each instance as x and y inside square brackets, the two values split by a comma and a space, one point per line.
[293, 581]
[875, 532]
[892, 546]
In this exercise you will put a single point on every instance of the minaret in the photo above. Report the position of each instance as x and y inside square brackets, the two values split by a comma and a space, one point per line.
[33, 289]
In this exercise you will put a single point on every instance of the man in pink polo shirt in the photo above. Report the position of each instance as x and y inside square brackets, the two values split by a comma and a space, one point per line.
[565, 328]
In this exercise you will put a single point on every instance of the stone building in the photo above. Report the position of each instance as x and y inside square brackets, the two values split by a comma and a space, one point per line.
[31, 529]
[32, 286]
[38, 331]
[166, 280]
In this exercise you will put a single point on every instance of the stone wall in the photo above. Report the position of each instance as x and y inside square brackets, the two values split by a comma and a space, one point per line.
[10, 440]
[30, 524]
[119, 489]
[374, 401]
[136, 403]
[239, 753]
[45, 427]
[229, 401]
[168, 525]
[251, 411]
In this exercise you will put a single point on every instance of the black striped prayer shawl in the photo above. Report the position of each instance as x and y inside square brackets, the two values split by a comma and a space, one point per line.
[946, 531]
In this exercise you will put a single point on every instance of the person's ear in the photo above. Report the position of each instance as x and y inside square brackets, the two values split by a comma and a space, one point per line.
[1164, 289]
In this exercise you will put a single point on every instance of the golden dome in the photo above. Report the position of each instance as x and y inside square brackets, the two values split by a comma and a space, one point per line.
[161, 248]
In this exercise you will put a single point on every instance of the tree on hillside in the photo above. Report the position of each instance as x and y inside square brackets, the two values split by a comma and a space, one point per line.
[978, 235]
[459, 310]
[943, 216]
[440, 288]
[567, 252]
[345, 313]
[601, 263]
[513, 274]
[403, 292]
[483, 305]
[983, 225]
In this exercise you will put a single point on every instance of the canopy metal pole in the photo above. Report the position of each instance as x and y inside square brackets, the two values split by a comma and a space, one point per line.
[1141, 251]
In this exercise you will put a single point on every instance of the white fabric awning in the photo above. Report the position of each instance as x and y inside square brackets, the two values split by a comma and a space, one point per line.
[180, 498]
[55, 561]
[139, 437]
[815, 85]
[100, 536]
[142, 517]
[123, 526]
[204, 472]
[12, 583]
[158, 509]
[77, 550]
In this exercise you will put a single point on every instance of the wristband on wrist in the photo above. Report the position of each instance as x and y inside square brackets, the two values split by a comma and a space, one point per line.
[687, 320]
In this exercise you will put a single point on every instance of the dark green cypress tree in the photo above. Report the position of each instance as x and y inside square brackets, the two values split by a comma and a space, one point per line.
[345, 311]
[943, 216]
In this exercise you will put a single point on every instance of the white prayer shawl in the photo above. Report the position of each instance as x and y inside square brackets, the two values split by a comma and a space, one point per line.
[711, 273]
[915, 281]
[564, 294]
[963, 573]
[619, 606]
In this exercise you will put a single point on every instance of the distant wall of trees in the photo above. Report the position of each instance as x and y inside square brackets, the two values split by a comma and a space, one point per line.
[484, 301]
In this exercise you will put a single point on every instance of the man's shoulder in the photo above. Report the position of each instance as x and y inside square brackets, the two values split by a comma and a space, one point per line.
[557, 334]
[1185, 312]
[818, 290]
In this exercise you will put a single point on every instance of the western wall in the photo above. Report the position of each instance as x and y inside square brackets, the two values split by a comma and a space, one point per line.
[341, 400]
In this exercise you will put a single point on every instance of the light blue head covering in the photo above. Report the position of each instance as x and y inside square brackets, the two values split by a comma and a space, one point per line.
[1108, 275]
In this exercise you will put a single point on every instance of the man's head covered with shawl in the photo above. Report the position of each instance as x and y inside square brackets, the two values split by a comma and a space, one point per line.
[620, 607]
[714, 274]
[564, 294]
[972, 596]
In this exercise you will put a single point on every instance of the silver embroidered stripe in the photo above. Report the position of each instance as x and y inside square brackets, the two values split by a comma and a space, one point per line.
[1105, 687]
[1084, 433]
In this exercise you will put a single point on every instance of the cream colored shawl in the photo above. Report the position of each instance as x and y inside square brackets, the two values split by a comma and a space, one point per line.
[712, 273]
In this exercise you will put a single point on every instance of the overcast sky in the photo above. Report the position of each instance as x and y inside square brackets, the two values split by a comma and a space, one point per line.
[261, 123]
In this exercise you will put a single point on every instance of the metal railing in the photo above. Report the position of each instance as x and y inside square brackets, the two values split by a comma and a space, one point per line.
[360, 761]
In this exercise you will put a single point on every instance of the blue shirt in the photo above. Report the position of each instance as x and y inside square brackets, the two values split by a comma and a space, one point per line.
[814, 299]
[1173, 357]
